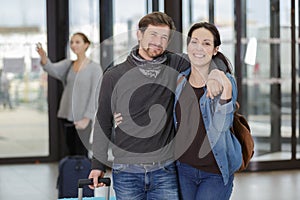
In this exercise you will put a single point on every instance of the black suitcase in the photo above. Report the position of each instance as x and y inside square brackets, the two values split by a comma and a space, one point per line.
[71, 169]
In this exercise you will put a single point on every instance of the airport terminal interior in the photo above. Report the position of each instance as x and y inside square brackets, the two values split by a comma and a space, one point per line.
[259, 37]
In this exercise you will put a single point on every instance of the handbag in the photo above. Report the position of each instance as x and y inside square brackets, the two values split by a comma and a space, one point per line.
[242, 132]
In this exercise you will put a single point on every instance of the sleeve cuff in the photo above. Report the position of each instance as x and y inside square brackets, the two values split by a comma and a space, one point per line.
[225, 108]
[224, 101]
[98, 165]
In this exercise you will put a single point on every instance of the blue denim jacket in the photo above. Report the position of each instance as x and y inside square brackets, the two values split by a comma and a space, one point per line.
[218, 120]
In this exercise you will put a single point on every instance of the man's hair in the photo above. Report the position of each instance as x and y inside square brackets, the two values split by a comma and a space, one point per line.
[156, 19]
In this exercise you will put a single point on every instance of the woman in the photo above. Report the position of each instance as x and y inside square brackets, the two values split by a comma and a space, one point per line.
[208, 153]
[81, 79]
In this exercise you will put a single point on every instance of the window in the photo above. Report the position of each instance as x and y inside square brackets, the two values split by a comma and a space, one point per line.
[23, 94]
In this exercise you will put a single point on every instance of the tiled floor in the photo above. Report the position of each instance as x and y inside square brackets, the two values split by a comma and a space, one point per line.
[28, 181]
[38, 181]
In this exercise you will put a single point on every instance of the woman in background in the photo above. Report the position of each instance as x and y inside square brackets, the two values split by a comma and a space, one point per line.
[78, 104]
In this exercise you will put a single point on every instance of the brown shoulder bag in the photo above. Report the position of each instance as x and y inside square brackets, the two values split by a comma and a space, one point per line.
[242, 132]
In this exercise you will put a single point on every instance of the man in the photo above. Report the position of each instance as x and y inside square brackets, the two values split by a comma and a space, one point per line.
[142, 89]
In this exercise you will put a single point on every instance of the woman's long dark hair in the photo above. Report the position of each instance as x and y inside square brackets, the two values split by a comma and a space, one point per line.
[217, 40]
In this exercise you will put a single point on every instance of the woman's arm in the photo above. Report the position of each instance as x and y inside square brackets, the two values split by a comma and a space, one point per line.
[218, 83]
[223, 107]
[227, 87]
[57, 70]
[42, 53]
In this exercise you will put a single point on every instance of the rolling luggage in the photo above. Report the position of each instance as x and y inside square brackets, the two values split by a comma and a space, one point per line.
[85, 182]
[71, 169]
[82, 183]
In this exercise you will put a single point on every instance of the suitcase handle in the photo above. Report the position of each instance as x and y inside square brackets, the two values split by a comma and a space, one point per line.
[83, 182]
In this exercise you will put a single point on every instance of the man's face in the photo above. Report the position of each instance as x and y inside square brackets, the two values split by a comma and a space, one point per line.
[153, 41]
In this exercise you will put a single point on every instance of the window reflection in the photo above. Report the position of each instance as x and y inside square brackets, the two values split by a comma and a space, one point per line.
[23, 86]
[125, 26]
[257, 82]
[272, 143]
[84, 17]
[23, 94]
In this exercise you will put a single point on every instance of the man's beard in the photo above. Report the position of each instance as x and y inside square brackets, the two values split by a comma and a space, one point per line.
[153, 53]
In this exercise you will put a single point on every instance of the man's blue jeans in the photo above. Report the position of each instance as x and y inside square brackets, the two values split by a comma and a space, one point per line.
[199, 185]
[137, 182]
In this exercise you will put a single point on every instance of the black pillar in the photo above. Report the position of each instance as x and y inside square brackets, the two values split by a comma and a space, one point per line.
[57, 39]
[240, 67]
[293, 77]
[298, 72]
[147, 6]
[190, 8]
[211, 11]
[155, 5]
[275, 101]
[106, 33]
[173, 8]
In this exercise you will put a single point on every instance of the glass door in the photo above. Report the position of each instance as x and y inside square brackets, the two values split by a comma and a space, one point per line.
[269, 78]
[23, 86]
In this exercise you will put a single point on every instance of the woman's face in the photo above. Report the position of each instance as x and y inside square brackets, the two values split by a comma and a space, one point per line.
[201, 47]
[77, 44]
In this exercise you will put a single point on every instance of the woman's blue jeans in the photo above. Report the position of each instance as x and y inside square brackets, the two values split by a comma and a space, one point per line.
[199, 185]
[138, 182]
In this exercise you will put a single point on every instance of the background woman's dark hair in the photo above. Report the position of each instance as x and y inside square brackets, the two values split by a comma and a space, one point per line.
[84, 37]
[217, 40]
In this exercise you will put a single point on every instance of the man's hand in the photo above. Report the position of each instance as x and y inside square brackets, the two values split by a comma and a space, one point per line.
[118, 119]
[95, 174]
[214, 83]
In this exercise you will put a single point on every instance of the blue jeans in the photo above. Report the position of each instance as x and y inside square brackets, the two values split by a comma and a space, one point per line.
[199, 185]
[136, 182]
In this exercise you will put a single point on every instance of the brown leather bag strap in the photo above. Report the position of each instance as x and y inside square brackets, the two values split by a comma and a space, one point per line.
[237, 106]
